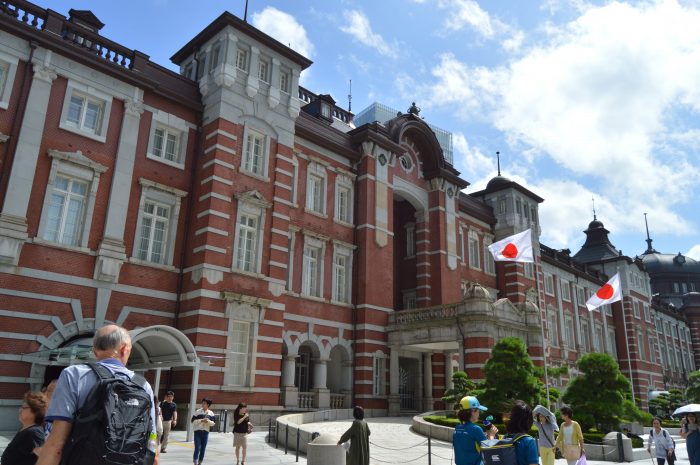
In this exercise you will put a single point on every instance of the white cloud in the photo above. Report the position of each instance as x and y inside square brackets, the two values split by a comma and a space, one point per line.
[513, 43]
[285, 28]
[467, 13]
[358, 27]
[478, 165]
[694, 252]
[598, 98]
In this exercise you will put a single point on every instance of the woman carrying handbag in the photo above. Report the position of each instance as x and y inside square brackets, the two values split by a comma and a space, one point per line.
[570, 439]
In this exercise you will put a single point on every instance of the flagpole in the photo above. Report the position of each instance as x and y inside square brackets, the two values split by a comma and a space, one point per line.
[544, 349]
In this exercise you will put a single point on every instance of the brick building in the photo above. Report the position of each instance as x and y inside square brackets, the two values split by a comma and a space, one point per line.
[261, 247]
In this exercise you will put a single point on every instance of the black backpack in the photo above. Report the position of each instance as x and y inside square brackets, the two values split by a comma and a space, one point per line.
[500, 452]
[114, 424]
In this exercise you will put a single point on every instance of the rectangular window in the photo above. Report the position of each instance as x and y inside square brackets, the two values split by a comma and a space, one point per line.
[489, 263]
[581, 296]
[214, 58]
[154, 229]
[647, 315]
[166, 144]
[553, 330]
[518, 208]
[254, 155]
[533, 214]
[4, 68]
[409, 300]
[474, 251]
[379, 373]
[676, 288]
[341, 277]
[569, 333]
[549, 284]
[315, 193]
[263, 71]
[247, 241]
[640, 346]
[652, 348]
[343, 204]
[635, 308]
[684, 288]
[284, 82]
[238, 352]
[85, 113]
[584, 336]
[612, 344]
[188, 71]
[242, 60]
[312, 271]
[66, 211]
[529, 270]
[565, 290]
[526, 212]
[410, 240]
[501, 205]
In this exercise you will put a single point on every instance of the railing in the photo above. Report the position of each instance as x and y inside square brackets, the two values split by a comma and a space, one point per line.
[306, 400]
[440, 312]
[337, 401]
[24, 12]
[103, 48]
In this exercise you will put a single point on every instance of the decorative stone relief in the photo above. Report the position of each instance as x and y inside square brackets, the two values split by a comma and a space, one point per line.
[44, 73]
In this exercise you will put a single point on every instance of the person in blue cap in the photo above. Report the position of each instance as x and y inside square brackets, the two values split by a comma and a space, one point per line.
[468, 435]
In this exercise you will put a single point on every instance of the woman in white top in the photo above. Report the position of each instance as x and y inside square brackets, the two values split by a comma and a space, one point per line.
[663, 444]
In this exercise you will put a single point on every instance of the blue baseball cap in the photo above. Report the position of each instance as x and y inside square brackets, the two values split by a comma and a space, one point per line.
[470, 402]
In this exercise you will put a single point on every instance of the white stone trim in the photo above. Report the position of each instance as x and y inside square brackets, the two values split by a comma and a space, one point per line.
[76, 87]
[9, 62]
[175, 124]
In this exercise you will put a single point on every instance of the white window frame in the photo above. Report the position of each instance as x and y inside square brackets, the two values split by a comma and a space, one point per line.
[89, 93]
[170, 124]
[295, 180]
[489, 262]
[597, 342]
[581, 296]
[215, 55]
[548, 284]
[635, 309]
[529, 270]
[552, 326]
[410, 229]
[246, 160]
[240, 377]
[165, 195]
[640, 346]
[379, 375]
[7, 83]
[342, 289]
[343, 183]
[312, 243]
[291, 247]
[73, 165]
[474, 250]
[285, 81]
[652, 349]
[565, 290]
[612, 343]
[251, 204]
[584, 336]
[316, 172]
[264, 70]
[569, 338]
[242, 59]
[409, 299]
[647, 312]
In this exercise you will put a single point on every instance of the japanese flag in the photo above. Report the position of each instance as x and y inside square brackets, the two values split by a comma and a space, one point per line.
[515, 248]
[609, 293]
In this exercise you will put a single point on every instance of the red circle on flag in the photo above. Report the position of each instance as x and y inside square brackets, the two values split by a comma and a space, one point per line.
[510, 251]
[605, 292]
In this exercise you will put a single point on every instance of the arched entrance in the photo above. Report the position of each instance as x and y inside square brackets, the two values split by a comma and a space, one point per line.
[153, 348]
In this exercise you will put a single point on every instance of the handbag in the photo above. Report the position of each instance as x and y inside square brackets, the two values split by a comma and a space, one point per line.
[250, 427]
[581, 460]
[557, 454]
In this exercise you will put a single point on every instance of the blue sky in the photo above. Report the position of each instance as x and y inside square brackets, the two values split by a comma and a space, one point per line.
[583, 99]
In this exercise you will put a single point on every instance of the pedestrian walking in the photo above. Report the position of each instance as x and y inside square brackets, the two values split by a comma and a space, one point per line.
[468, 435]
[241, 427]
[358, 435]
[202, 420]
[519, 425]
[168, 409]
[570, 439]
[546, 424]
[662, 442]
[689, 432]
[20, 451]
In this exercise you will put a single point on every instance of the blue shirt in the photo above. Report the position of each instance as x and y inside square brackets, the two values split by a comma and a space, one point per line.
[526, 451]
[465, 440]
[75, 384]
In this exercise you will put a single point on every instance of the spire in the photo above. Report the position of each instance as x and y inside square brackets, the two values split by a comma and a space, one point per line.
[498, 161]
[350, 97]
[593, 201]
[649, 249]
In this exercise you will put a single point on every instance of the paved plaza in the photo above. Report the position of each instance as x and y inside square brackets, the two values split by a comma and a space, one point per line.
[391, 442]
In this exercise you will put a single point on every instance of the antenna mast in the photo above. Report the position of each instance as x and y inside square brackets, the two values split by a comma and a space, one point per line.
[593, 200]
[350, 97]
[245, 14]
[498, 161]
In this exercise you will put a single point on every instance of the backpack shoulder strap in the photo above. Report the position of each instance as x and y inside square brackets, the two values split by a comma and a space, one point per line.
[139, 381]
[101, 371]
[664, 432]
[518, 437]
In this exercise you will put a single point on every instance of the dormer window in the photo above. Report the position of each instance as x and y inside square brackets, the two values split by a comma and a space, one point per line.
[242, 60]
[326, 110]
[284, 82]
[264, 71]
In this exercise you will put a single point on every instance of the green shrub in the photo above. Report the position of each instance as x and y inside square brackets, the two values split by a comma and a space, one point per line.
[441, 420]
[593, 438]
[670, 424]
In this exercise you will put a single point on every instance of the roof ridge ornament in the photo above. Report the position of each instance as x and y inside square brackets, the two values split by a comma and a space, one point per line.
[413, 109]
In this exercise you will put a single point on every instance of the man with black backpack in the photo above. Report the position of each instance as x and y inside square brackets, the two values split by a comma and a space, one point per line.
[102, 412]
